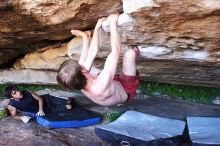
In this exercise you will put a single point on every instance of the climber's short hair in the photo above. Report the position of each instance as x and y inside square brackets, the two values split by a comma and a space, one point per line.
[70, 76]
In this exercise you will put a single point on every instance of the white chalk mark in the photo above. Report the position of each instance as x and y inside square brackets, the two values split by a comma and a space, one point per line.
[123, 20]
[197, 55]
[210, 4]
[153, 51]
[130, 6]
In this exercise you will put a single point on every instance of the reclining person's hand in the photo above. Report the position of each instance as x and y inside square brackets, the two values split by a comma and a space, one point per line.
[25, 119]
[40, 113]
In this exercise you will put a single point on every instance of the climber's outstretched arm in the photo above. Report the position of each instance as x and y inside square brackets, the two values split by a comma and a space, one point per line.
[94, 46]
[85, 46]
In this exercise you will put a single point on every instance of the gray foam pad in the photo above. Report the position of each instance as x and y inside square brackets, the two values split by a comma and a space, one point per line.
[141, 126]
[204, 130]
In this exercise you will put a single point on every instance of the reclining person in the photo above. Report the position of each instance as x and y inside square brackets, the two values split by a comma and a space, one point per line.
[102, 87]
[28, 101]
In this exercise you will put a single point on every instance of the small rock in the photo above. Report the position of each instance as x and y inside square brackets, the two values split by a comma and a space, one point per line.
[156, 93]
[138, 91]
[216, 101]
[4, 102]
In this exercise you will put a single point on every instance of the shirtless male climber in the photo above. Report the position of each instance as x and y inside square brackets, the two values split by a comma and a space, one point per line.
[102, 87]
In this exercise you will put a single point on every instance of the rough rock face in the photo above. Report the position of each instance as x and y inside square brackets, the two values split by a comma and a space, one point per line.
[27, 76]
[48, 58]
[30, 24]
[14, 132]
[179, 40]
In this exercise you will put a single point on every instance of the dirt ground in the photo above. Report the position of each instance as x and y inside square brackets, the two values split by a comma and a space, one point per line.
[14, 132]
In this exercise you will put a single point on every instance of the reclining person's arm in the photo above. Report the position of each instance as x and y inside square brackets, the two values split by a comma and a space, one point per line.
[40, 102]
[13, 112]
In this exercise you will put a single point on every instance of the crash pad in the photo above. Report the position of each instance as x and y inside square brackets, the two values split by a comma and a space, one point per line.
[140, 129]
[57, 116]
[204, 131]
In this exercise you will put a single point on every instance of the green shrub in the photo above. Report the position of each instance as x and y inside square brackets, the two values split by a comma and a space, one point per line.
[189, 93]
[113, 116]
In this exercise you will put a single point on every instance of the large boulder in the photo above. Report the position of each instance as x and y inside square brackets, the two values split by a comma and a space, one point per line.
[47, 58]
[26, 25]
[27, 76]
[14, 132]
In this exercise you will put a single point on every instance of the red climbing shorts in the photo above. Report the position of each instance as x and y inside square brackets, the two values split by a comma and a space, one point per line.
[129, 83]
